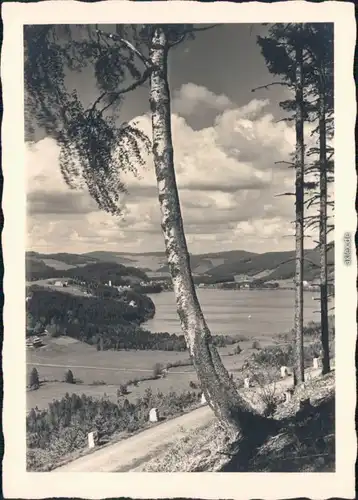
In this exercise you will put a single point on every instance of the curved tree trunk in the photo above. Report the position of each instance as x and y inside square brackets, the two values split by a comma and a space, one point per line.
[299, 374]
[219, 390]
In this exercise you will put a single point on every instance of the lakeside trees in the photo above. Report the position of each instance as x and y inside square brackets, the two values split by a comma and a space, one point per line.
[95, 149]
[107, 324]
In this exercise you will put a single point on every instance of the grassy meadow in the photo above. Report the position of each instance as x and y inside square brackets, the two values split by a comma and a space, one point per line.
[102, 372]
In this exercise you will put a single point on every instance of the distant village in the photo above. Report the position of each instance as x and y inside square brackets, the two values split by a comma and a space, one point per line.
[240, 282]
[237, 282]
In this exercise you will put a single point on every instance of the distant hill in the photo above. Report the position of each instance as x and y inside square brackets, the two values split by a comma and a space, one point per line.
[242, 264]
[206, 263]
[60, 261]
[42, 266]
[151, 261]
[272, 265]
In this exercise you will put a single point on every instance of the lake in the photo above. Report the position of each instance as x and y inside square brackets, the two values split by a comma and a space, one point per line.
[237, 312]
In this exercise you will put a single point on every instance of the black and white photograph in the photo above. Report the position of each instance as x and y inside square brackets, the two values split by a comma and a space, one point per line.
[183, 238]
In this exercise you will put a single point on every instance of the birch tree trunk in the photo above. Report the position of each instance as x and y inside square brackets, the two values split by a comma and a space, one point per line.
[219, 390]
[323, 233]
[299, 375]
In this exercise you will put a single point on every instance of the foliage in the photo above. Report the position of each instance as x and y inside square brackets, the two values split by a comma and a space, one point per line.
[267, 392]
[277, 356]
[85, 317]
[69, 378]
[34, 381]
[64, 426]
[122, 390]
[157, 370]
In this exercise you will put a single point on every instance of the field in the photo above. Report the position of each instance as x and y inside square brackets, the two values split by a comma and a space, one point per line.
[91, 366]
[113, 368]
[50, 284]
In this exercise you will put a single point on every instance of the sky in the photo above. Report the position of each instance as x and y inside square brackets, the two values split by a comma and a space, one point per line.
[226, 142]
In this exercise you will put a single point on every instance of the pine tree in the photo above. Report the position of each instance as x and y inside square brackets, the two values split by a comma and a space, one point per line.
[319, 43]
[284, 52]
[69, 378]
[34, 381]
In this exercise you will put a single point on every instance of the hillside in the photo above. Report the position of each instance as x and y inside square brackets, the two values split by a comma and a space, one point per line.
[110, 324]
[60, 261]
[272, 265]
[244, 265]
[267, 266]
[40, 266]
[151, 261]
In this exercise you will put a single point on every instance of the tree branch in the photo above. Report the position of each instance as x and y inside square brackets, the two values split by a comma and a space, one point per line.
[129, 45]
[285, 163]
[270, 85]
[204, 28]
[133, 86]
[177, 42]
[130, 87]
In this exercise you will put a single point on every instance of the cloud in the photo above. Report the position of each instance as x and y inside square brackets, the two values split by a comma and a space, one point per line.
[190, 98]
[47, 192]
[40, 202]
[227, 179]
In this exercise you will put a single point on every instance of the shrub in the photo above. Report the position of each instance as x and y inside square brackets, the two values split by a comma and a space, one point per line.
[312, 329]
[157, 370]
[34, 381]
[193, 385]
[180, 362]
[274, 356]
[69, 378]
[267, 391]
[122, 390]
[98, 382]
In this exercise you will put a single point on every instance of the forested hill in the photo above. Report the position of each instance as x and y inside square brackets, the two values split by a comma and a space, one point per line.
[38, 267]
[89, 319]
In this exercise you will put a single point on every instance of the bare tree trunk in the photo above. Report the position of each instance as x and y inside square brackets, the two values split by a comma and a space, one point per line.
[219, 390]
[299, 374]
[323, 234]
